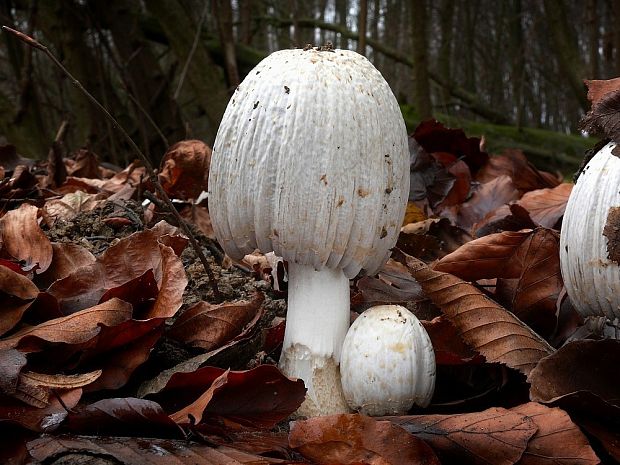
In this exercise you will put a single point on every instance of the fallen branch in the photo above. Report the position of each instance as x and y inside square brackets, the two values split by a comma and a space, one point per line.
[147, 164]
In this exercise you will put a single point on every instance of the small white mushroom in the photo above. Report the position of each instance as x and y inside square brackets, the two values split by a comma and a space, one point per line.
[388, 362]
[311, 162]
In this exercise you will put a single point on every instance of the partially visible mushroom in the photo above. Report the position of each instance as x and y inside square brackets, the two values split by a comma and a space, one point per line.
[311, 162]
[388, 362]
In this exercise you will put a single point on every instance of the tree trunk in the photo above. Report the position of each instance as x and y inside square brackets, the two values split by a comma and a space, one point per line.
[342, 8]
[361, 26]
[222, 11]
[564, 42]
[245, 22]
[204, 77]
[444, 56]
[518, 61]
[422, 90]
[593, 37]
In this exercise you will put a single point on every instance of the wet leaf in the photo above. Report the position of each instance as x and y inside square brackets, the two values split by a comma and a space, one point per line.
[184, 169]
[135, 451]
[557, 441]
[22, 238]
[546, 206]
[123, 417]
[355, 439]
[494, 436]
[210, 326]
[73, 329]
[487, 327]
[259, 397]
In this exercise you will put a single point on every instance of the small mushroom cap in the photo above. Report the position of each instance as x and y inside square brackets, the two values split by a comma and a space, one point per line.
[311, 162]
[387, 363]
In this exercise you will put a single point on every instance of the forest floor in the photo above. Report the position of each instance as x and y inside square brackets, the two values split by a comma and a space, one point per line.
[115, 349]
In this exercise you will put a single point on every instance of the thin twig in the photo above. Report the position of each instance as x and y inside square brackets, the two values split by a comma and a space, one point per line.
[203, 16]
[147, 164]
[148, 117]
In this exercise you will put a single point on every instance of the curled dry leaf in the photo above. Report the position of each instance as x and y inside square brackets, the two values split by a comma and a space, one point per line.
[355, 439]
[602, 119]
[69, 206]
[22, 238]
[40, 419]
[558, 440]
[77, 328]
[494, 436]
[36, 388]
[184, 169]
[485, 199]
[487, 327]
[210, 326]
[67, 258]
[124, 261]
[513, 163]
[260, 397]
[529, 259]
[431, 239]
[123, 417]
[16, 294]
[135, 451]
[546, 206]
[580, 366]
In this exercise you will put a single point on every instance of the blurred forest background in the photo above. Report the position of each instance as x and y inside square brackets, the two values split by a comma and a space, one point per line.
[509, 69]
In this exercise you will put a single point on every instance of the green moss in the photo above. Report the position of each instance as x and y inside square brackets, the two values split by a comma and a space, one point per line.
[548, 150]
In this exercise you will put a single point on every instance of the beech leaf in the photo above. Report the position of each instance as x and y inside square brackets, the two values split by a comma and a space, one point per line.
[486, 326]
[546, 206]
[495, 436]
[355, 439]
[558, 440]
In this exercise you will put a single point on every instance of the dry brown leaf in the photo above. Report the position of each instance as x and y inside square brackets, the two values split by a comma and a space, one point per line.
[135, 451]
[546, 206]
[579, 366]
[17, 293]
[357, 439]
[66, 259]
[11, 363]
[40, 419]
[514, 163]
[35, 388]
[488, 197]
[558, 440]
[487, 327]
[199, 216]
[209, 326]
[73, 329]
[184, 169]
[84, 163]
[172, 283]
[495, 436]
[597, 88]
[124, 261]
[528, 261]
[22, 238]
[70, 205]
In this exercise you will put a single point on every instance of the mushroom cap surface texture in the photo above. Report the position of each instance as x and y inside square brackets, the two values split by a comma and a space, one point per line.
[590, 238]
[311, 162]
[387, 363]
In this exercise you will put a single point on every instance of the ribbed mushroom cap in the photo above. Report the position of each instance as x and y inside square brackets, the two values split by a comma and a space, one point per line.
[311, 162]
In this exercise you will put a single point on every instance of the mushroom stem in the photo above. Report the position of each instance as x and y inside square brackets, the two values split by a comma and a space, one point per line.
[317, 321]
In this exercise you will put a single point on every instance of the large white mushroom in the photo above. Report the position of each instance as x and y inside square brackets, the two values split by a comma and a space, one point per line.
[311, 162]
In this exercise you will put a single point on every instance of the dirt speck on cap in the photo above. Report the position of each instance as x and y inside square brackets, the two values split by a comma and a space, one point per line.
[612, 233]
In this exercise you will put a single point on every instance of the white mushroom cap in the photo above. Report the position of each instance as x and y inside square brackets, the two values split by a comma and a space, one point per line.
[387, 363]
[311, 162]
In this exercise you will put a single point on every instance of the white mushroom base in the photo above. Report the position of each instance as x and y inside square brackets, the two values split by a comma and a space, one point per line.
[317, 321]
